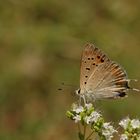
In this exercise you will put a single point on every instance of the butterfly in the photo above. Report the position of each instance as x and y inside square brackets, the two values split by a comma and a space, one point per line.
[100, 77]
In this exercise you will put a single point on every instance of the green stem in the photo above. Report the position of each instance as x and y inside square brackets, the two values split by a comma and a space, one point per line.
[89, 135]
[79, 129]
[85, 126]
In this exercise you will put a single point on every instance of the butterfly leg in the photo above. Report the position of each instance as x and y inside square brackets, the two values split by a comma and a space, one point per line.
[82, 100]
[79, 101]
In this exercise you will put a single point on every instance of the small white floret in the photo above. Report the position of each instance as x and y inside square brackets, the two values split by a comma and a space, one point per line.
[77, 108]
[108, 131]
[88, 106]
[77, 118]
[123, 137]
[124, 123]
[95, 116]
[135, 123]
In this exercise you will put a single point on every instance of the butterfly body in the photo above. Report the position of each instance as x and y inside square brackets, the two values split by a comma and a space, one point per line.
[101, 78]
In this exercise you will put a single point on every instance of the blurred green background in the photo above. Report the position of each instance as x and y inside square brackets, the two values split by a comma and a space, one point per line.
[40, 47]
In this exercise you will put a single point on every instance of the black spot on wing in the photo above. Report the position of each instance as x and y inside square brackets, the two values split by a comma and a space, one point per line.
[102, 60]
[87, 68]
[122, 94]
[126, 85]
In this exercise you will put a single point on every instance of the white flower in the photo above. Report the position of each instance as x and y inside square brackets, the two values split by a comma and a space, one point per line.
[108, 131]
[123, 137]
[88, 106]
[94, 116]
[77, 118]
[124, 123]
[135, 123]
[87, 119]
[106, 125]
[77, 108]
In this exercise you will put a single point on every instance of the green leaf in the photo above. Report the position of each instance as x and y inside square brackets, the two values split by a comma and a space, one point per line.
[69, 114]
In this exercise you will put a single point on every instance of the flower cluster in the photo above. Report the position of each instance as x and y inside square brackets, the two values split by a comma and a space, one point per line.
[88, 116]
[131, 129]
[107, 131]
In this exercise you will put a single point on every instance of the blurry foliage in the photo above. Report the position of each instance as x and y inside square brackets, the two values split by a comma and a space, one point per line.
[40, 47]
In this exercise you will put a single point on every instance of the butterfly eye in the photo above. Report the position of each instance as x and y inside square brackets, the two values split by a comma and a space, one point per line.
[78, 91]
[88, 58]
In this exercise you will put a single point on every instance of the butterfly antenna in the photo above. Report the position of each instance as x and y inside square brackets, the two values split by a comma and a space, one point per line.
[68, 85]
[60, 89]
[63, 85]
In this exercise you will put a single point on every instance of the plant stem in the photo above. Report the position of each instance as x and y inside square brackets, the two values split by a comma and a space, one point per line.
[85, 130]
[89, 135]
[79, 129]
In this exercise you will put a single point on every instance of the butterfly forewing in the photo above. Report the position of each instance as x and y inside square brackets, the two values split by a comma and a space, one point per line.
[101, 76]
[88, 65]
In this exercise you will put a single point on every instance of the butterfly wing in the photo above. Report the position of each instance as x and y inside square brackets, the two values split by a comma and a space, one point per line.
[88, 65]
[100, 76]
